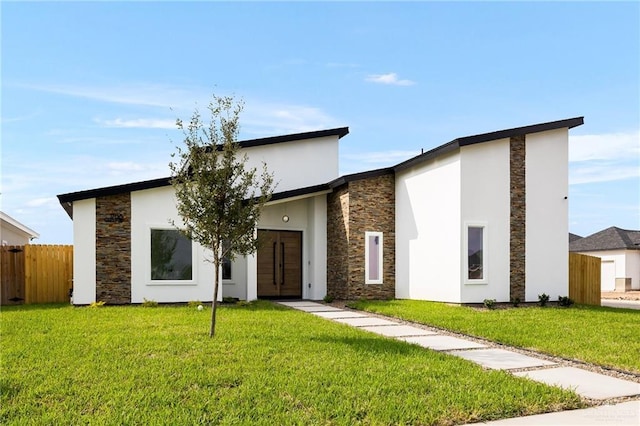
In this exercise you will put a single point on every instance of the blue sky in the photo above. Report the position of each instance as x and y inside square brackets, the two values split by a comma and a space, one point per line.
[91, 91]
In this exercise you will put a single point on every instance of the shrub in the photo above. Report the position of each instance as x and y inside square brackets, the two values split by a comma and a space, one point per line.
[565, 301]
[489, 303]
[194, 303]
[97, 304]
[543, 299]
[149, 303]
[515, 301]
[328, 298]
[230, 300]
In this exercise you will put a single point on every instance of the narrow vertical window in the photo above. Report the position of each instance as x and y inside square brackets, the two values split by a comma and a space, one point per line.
[373, 258]
[226, 263]
[476, 258]
[475, 253]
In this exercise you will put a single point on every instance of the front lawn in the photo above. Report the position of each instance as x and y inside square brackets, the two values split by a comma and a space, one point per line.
[598, 335]
[267, 365]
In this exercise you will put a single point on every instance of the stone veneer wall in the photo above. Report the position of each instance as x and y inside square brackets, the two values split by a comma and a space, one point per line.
[517, 154]
[113, 249]
[338, 242]
[357, 207]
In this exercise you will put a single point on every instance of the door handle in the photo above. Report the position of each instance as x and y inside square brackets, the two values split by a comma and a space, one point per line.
[282, 264]
[274, 263]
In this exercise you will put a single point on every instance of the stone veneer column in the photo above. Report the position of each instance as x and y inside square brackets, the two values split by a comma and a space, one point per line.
[517, 156]
[338, 242]
[372, 208]
[113, 249]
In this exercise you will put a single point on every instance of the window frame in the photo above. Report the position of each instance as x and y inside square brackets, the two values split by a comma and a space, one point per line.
[148, 261]
[367, 279]
[485, 252]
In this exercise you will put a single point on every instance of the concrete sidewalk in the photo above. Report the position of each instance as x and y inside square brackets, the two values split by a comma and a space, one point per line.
[585, 383]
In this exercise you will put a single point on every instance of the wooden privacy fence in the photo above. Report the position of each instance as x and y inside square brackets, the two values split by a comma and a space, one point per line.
[584, 279]
[36, 273]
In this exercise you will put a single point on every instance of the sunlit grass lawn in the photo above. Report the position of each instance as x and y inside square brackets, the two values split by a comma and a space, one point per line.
[266, 365]
[599, 335]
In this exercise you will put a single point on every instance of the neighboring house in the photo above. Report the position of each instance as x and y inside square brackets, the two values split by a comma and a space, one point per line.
[14, 233]
[481, 217]
[619, 251]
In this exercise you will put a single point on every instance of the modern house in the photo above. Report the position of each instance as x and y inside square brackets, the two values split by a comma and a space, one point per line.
[619, 252]
[14, 233]
[480, 217]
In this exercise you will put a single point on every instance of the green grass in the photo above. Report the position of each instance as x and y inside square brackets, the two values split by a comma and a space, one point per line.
[266, 365]
[605, 336]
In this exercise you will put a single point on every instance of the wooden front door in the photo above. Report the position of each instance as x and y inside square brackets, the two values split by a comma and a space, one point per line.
[280, 264]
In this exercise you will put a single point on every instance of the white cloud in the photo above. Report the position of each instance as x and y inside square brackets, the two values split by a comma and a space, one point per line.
[604, 147]
[144, 123]
[267, 119]
[43, 202]
[390, 78]
[604, 158]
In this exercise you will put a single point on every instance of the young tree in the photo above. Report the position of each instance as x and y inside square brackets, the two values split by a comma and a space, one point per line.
[218, 198]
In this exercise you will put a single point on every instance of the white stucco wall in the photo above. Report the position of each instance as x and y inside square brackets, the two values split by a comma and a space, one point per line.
[428, 231]
[547, 225]
[84, 251]
[297, 164]
[155, 208]
[485, 200]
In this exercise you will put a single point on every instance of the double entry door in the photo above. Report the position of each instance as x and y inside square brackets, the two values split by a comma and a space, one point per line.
[280, 263]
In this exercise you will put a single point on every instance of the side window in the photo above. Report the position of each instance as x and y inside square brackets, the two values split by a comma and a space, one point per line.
[171, 256]
[373, 247]
[226, 263]
[476, 261]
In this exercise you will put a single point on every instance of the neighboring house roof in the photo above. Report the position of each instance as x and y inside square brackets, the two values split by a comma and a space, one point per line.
[10, 223]
[573, 237]
[612, 238]
[66, 200]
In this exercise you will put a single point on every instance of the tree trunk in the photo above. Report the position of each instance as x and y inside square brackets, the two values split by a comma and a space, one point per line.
[214, 303]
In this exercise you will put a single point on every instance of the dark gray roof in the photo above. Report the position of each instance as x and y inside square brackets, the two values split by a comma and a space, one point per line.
[608, 239]
[573, 237]
[455, 144]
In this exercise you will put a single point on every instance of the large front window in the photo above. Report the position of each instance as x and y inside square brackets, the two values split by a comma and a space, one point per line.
[171, 256]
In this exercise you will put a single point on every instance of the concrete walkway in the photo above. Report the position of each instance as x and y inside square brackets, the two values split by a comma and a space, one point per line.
[585, 383]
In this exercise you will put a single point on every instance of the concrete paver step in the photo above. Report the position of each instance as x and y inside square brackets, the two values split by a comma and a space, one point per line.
[623, 414]
[298, 303]
[339, 314]
[586, 383]
[365, 321]
[442, 343]
[319, 308]
[399, 330]
[500, 359]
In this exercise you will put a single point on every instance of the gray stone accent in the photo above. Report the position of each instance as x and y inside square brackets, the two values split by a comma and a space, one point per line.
[113, 249]
[517, 154]
[353, 209]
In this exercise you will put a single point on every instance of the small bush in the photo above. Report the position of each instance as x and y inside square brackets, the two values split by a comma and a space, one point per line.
[543, 299]
[328, 298]
[515, 301]
[97, 304]
[149, 303]
[489, 303]
[565, 301]
[194, 303]
[230, 300]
